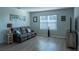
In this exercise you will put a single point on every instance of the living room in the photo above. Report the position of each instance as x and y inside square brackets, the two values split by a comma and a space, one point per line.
[48, 35]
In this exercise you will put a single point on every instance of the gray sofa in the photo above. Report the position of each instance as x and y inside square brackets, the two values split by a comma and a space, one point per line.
[21, 34]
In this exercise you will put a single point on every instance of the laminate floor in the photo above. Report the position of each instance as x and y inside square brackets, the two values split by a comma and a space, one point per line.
[37, 43]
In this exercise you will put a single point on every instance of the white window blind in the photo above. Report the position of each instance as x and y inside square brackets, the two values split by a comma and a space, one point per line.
[43, 22]
[49, 21]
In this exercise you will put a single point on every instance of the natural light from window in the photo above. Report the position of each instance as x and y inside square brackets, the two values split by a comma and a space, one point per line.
[49, 21]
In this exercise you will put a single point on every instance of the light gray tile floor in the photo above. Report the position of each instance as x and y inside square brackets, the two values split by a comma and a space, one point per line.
[37, 43]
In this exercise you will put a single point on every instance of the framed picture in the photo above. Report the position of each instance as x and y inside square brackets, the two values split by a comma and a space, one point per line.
[35, 19]
[63, 18]
[17, 17]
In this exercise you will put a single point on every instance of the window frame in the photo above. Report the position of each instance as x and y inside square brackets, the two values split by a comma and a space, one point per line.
[49, 22]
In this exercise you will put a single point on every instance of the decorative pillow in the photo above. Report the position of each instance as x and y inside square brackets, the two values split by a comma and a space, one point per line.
[18, 32]
[23, 30]
[29, 30]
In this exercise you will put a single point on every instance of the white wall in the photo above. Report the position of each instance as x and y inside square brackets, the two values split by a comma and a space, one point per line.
[5, 16]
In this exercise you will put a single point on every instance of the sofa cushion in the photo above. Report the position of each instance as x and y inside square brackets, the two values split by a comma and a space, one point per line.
[28, 29]
[18, 32]
[23, 30]
[24, 35]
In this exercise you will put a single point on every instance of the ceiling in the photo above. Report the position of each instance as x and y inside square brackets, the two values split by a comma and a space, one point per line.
[34, 9]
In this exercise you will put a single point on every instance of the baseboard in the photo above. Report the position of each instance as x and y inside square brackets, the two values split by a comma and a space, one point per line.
[59, 36]
[54, 36]
[42, 35]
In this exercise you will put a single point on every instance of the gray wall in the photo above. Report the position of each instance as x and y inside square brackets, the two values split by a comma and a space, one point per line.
[62, 26]
[76, 16]
[4, 19]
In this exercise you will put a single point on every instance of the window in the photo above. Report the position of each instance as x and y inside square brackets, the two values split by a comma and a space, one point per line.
[43, 22]
[52, 22]
[49, 21]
